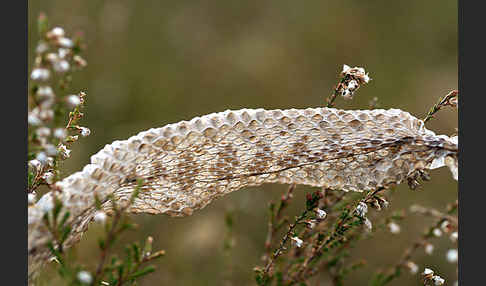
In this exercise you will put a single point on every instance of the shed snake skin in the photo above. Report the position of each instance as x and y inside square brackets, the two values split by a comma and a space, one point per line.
[186, 165]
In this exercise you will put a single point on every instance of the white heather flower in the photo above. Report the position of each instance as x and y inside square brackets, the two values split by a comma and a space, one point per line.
[33, 119]
[437, 232]
[50, 161]
[61, 66]
[36, 164]
[412, 267]
[311, 224]
[60, 133]
[298, 241]
[41, 74]
[445, 225]
[321, 214]
[65, 42]
[65, 152]
[347, 94]
[48, 177]
[63, 52]
[100, 217]
[41, 47]
[78, 60]
[43, 132]
[346, 68]
[42, 157]
[362, 209]
[46, 114]
[352, 84]
[85, 131]
[429, 248]
[368, 224]
[366, 78]
[428, 271]
[385, 203]
[394, 228]
[52, 57]
[31, 198]
[85, 277]
[45, 92]
[73, 100]
[438, 280]
[57, 32]
[51, 150]
[454, 236]
[452, 255]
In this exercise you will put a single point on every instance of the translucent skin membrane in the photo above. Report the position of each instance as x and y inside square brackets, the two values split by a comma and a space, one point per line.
[186, 165]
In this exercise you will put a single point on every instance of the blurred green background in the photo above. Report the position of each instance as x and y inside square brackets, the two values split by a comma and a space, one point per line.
[151, 63]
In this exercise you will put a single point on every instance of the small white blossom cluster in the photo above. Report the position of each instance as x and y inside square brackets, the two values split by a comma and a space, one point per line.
[353, 78]
[429, 276]
[56, 54]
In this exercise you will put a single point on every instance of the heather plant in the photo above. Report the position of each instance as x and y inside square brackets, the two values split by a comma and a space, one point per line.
[320, 239]
[49, 142]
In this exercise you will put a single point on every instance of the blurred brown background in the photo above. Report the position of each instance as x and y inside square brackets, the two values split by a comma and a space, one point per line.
[156, 62]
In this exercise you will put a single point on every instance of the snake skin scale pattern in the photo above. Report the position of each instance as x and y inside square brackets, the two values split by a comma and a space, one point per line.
[186, 165]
